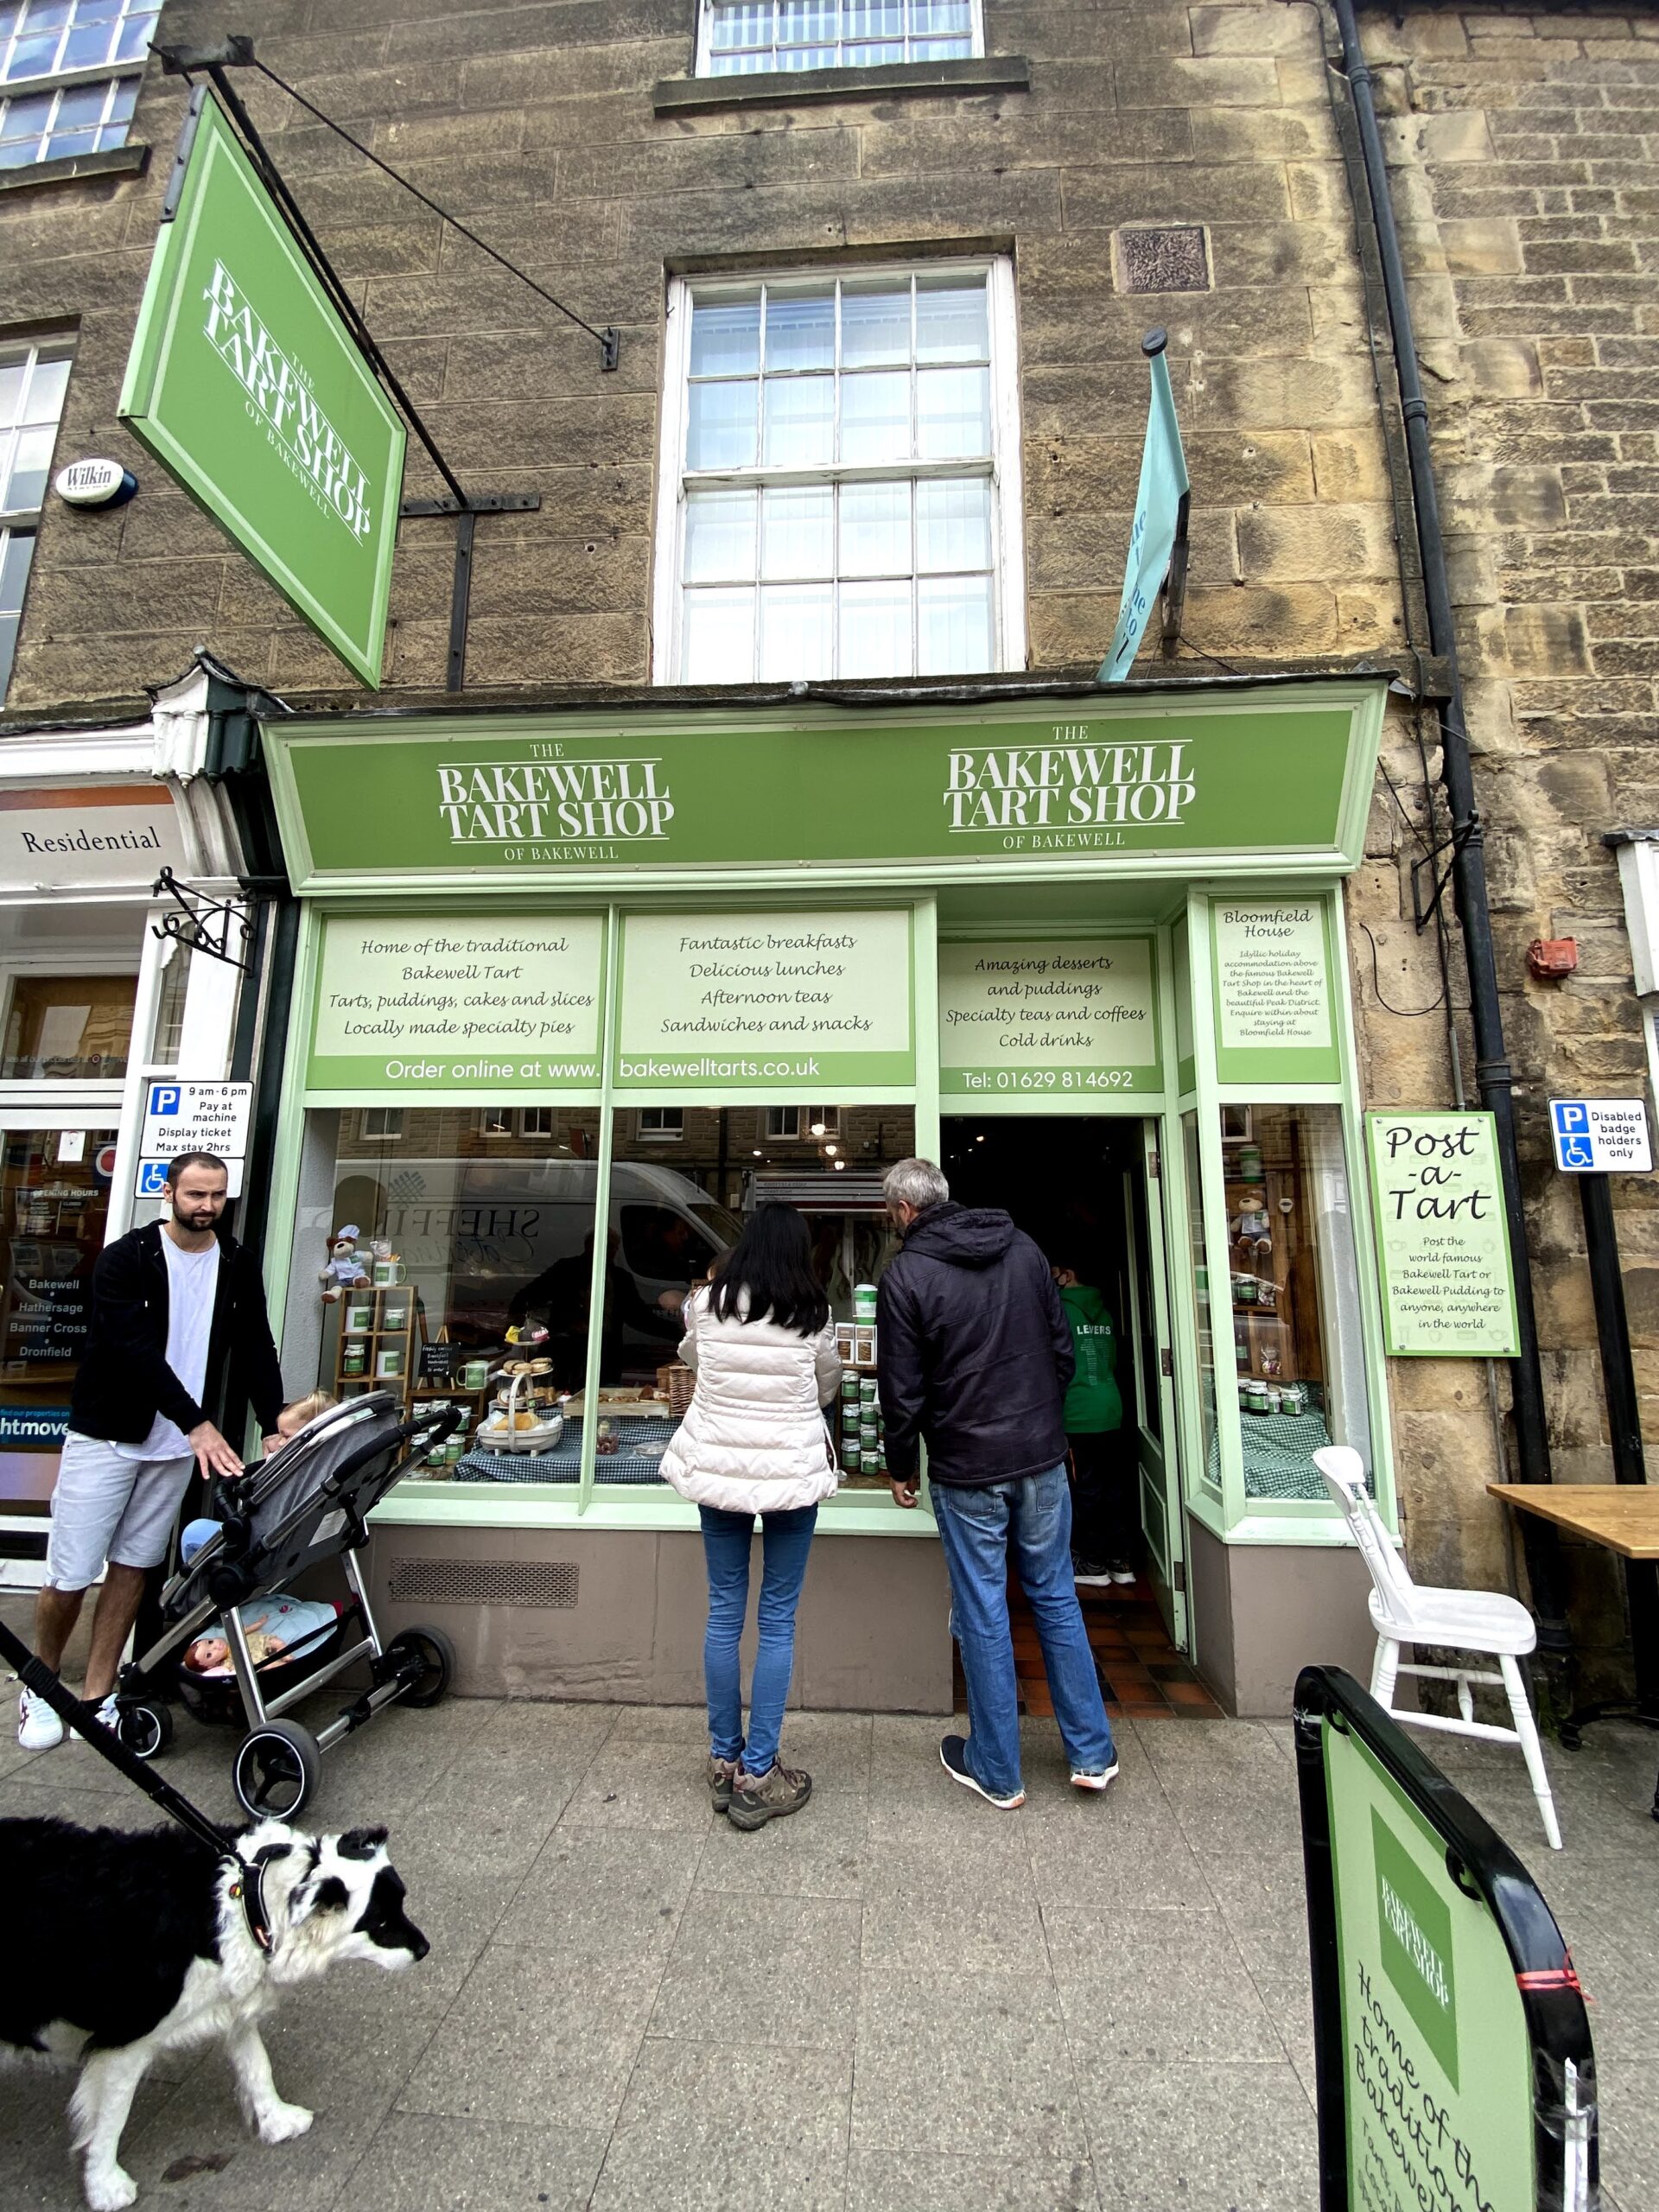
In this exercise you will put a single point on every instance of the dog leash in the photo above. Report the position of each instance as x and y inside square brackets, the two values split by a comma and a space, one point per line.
[249, 1888]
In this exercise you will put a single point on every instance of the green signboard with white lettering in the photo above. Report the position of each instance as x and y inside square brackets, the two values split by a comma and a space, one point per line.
[248, 388]
[1060, 1016]
[1452, 2052]
[753, 1004]
[1027, 787]
[1442, 1236]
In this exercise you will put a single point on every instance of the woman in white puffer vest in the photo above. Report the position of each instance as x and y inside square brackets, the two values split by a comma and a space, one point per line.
[752, 1441]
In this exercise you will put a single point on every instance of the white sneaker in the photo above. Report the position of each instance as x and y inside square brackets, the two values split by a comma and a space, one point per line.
[106, 1713]
[39, 1728]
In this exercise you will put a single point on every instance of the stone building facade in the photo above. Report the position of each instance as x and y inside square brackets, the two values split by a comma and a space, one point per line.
[570, 134]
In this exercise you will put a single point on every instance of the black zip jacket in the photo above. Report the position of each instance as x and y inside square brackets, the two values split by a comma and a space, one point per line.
[975, 1351]
[124, 1380]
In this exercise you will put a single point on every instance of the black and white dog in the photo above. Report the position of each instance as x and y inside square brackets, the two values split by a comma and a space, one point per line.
[121, 1946]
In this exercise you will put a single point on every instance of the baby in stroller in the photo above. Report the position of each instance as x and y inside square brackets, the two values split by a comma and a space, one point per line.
[275, 1626]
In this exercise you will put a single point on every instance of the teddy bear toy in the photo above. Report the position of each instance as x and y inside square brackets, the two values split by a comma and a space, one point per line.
[343, 1270]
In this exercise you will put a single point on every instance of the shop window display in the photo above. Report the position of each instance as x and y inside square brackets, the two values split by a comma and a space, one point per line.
[1294, 1276]
[55, 1198]
[69, 1028]
[457, 1264]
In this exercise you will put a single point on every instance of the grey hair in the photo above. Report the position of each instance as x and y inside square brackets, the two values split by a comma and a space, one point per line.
[916, 1183]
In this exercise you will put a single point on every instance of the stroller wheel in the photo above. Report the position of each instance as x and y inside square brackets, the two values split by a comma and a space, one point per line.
[145, 1730]
[429, 1650]
[276, 1770]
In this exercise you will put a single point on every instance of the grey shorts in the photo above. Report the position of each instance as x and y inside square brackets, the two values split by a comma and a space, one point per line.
[108, 1508]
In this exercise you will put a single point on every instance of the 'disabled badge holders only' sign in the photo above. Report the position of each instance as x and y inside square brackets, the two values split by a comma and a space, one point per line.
[1451, 2043]
[248, 388]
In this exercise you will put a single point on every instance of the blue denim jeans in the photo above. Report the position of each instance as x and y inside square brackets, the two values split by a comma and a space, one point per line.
[786, 1540]
[1032, 1519]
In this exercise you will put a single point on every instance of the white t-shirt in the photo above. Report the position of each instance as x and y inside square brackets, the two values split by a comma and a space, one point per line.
[192, 1286]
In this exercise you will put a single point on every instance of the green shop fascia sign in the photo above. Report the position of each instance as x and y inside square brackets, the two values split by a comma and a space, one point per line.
[1029, 785]
[249, 390]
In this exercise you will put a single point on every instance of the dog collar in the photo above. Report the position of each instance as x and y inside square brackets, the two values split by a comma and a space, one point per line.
[249, 1888]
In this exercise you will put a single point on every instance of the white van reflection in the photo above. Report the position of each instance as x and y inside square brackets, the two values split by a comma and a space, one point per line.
[488, 1243]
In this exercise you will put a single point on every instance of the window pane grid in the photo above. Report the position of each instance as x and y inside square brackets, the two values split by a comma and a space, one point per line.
[44, 38]
[838, 495]
[742, 38]
[71, 119]
[16, 550]
[33, 380]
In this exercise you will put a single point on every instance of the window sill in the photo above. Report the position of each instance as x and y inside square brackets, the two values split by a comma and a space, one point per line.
[114, 161]
[992, 73]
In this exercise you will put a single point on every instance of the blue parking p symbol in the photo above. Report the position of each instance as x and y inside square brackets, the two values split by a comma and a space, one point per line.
[164, 1100]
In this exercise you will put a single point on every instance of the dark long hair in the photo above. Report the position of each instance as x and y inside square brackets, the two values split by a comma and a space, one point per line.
[772, 1261]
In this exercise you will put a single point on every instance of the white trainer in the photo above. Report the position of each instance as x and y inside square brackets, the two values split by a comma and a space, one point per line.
[39, 1728]
[106, 1713]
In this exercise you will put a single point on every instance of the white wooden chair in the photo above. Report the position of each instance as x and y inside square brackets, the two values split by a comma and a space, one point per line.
[1404, 1613]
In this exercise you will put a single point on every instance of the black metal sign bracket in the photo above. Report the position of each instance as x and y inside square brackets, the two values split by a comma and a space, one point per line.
[465, 513]
[201, 924]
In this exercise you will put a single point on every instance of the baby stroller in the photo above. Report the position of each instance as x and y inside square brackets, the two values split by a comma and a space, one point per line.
[309, 1502]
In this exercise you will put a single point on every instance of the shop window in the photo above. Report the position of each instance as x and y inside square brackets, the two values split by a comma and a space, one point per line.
[55, 1198]
[33, 380]
[661, 1124]
[459, 1236]
[386, 1123]
[667, 1230]
[169, 1006]
[69, 1028]
[69, 76]
[1298, 1342]
[1203, 1330]
[744, 38]
[842, 495]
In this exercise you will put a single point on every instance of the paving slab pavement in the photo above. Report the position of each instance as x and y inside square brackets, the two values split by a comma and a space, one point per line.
[898, 2001]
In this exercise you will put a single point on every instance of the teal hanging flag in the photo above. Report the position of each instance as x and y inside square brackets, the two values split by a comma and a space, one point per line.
[1158, 541]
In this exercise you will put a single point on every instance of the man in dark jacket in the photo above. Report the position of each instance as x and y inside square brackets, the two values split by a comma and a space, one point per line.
[975, 1360]
[175, 1307]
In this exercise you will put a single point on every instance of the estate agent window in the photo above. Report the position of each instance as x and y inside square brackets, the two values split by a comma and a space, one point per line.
[33, 381]
[748, 38]
[842, 496]
[69, 76]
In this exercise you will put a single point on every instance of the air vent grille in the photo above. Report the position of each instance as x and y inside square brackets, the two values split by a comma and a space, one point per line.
[550, 1585]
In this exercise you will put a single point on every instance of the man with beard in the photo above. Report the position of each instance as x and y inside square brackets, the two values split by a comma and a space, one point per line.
[176, 1306]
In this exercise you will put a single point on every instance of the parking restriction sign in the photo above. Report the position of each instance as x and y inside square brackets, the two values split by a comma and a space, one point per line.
[1600, 1136]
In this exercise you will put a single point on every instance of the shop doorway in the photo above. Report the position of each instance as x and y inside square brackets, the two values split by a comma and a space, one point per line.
[1080, 1186]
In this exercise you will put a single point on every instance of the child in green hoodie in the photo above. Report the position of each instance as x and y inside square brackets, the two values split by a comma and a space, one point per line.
[1103, 1508]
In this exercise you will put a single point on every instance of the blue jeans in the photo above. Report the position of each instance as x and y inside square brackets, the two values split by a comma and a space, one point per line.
[786, 1540]
[978, 1529]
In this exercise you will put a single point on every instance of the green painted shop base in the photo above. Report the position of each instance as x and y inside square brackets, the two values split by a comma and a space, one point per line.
[613, 1615]
[1264, 1611]
[610, 1615]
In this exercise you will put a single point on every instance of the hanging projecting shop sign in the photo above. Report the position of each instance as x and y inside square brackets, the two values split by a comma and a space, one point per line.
[248, 388]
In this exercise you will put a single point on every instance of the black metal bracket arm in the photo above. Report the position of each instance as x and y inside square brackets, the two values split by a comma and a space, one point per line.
[1439, 878]
[460, 594]
[201, 924]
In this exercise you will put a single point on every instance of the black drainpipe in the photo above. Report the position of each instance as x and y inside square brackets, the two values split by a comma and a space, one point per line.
[1493, 1078]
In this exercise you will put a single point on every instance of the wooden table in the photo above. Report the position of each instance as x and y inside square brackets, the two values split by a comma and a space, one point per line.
[1622, 1517]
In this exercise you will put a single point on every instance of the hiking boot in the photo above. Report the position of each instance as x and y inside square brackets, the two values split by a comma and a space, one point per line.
[953, 1757]
[758, 1799]
[721, 1775]
[39, 1728]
